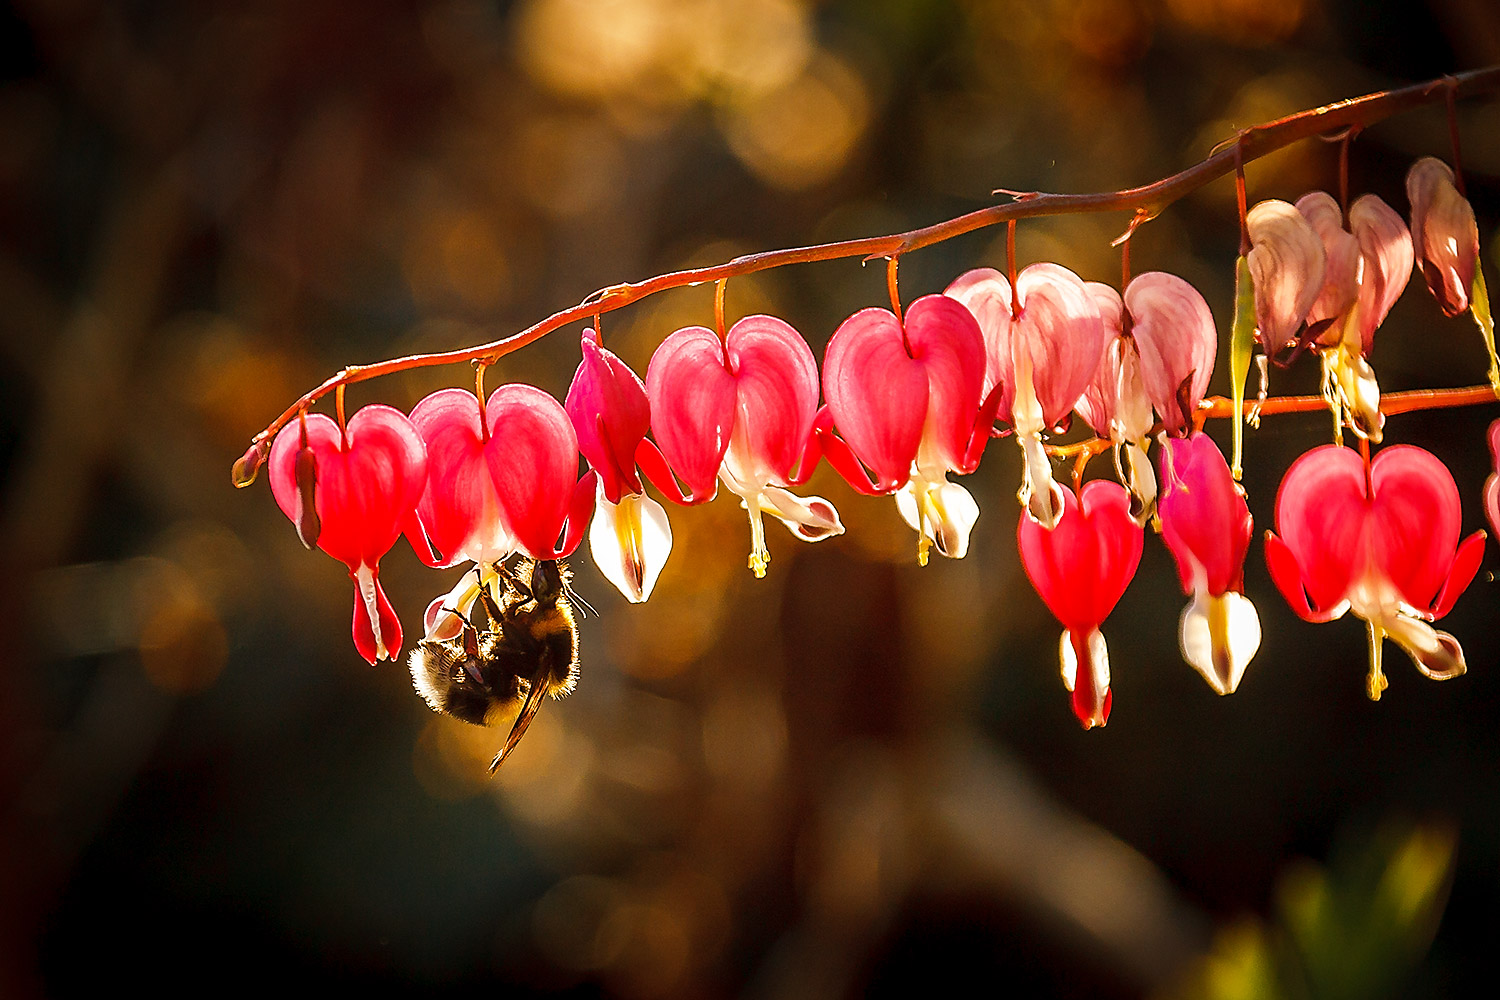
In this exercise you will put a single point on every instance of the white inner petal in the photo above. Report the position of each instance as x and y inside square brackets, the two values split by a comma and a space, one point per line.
[1219, 637]
[630, 542]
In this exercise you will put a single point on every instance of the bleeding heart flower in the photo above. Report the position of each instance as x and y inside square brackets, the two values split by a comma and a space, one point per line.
[1447, 242]
[630, 537]
[1444, 231]
[1043, 344]
[905, 395]
[741, 411]
[1368, 268]
[1377, 541]
[362, 482]
[1081, 568]
[1206, 525]
[1161, 357]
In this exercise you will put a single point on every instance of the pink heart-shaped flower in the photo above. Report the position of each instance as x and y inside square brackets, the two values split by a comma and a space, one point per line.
[611, 414]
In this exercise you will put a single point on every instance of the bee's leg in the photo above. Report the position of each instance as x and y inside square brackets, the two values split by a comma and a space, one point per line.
[487, 601]
[523, 722]
[471, 634]
[526, 588]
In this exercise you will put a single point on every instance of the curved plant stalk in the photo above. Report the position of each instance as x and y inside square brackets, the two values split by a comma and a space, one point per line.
[1144, 203]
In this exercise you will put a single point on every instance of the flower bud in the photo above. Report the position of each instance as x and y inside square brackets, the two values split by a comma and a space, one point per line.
[247, 466]
[1444, 231]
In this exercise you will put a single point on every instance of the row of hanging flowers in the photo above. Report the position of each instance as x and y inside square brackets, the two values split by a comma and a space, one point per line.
[911, 398]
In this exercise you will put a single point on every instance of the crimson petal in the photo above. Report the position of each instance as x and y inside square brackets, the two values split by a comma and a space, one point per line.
[692, 406]
[367, 479]
[1205, 521]
[776, 391]
[370, 644]
[1320, 514]
[458, 508]
[611, 414]
[877, 394]
[1081, 567]
[945, 338]
[532, 455]
[1415, 521]
[1286, 573]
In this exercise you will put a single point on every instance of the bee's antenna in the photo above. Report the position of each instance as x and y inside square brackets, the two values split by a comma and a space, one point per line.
[584, 607]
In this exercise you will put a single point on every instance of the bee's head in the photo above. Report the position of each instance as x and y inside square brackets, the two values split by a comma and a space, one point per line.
[448, 675]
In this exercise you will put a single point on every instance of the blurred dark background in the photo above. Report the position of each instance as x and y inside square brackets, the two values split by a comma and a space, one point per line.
[855, 777]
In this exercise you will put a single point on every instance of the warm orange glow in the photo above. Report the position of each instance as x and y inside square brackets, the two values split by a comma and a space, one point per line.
[803, 133]
[1243, 22]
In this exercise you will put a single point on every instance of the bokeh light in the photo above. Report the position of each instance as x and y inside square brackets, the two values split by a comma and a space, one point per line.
[856, 777]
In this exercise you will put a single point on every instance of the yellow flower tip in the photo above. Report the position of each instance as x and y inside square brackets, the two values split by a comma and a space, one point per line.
[1375, 684]
[922, 555]
[758, 563]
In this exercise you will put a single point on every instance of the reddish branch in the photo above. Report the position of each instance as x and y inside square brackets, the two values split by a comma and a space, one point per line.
[1390, 402]
[1145, 203]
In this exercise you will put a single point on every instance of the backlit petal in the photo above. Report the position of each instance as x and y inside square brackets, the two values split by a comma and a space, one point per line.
[1286, 573]
[1205, 520]
[377, 630]
[942, 511]
[1444, 232]
[1386, 254]
[1085, 672]
[1099, 404]
[1437, 654]
[776, 394]
[876, 393]
[1341, 254]
[610, 412]
[1321, 515]
[692, 406]
[811, 519]
[630, 542]
[459, 513]
[367, 480]
[943, 337]
[1415, 521]
[986, 294]
[1081, 567]
[1219, 635]
[532, 455]
[1286, 263]
[1175, 336]
[1060, 326]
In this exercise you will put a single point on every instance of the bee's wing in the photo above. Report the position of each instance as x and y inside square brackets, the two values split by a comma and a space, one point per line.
[528, 711]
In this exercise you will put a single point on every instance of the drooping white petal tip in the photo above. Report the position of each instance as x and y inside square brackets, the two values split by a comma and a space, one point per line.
[1219, 637]
[630, 542]
[941, 511]
[811, 519]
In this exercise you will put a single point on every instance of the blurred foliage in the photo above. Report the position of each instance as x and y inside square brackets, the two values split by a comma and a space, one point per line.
[1355, 930]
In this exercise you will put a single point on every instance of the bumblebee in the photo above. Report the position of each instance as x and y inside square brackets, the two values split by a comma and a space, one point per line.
[527, 651]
